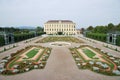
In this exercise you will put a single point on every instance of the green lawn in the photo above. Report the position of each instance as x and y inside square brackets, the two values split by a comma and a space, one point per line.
[32, 53]
[89, 53]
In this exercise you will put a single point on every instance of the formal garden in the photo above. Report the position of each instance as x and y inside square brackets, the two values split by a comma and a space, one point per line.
[24, 60]
[60, 38]
[85, 56]
[94, 59]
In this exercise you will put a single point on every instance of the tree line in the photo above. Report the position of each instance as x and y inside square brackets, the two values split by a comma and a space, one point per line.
[18, 30]
[100, 32]
[20, 34]
[104, 29]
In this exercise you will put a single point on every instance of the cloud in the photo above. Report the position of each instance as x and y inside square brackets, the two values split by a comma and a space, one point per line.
[36, 12]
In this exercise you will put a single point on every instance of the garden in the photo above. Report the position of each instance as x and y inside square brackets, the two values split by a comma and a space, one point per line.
[94, 59]
[60, 38]
[24, 60]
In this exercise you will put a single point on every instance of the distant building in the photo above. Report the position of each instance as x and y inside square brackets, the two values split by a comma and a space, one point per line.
[79, 31]
[65, 27]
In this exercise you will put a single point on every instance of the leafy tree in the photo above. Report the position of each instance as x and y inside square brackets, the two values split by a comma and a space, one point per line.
[110, 27]
[99, 29]
[118, 27]
[25, 30]
[39, 29]
[90, 28]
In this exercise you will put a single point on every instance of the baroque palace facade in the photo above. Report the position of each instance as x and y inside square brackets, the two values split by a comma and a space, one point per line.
[65, 27]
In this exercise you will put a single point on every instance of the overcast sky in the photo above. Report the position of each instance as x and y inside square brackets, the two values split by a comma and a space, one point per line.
[36, 12]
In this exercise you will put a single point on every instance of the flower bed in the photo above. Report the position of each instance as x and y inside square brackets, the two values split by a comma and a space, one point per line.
[24, 60]
[104, 63]
[67, 39]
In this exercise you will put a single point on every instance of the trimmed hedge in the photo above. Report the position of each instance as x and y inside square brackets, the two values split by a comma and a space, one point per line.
[101, 37]
[97, 36]
[40, 33]
[2, 41]
[118, 41]
[20, 37]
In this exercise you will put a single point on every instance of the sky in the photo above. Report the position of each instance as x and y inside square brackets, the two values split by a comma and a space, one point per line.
[36, 12]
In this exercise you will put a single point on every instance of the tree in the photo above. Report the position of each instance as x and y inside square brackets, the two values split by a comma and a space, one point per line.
[90, 28]
[110, 27]
[10, 29]
[39, 29]
[25, 30]
[1, 29]
[118, 27]
[100, 29]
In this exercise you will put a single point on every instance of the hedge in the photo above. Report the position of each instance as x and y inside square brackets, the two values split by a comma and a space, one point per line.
[97, 36]
[2, 41]
[40, 33]
[20, 37]
[118, 41]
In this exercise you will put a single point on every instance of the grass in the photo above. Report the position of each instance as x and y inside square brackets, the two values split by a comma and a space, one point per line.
[89, 53]
[13, 62]
[32, 53]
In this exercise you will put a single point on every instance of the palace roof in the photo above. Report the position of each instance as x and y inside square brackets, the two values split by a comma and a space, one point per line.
[57, 21]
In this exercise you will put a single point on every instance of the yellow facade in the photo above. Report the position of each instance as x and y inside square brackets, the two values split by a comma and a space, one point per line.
[67, 27]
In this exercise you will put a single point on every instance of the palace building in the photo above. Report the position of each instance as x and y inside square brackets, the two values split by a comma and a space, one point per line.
[65, 27]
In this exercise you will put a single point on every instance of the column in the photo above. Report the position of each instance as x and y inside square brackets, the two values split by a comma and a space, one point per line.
[108, 38]
[115, 39]
[5, 38]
